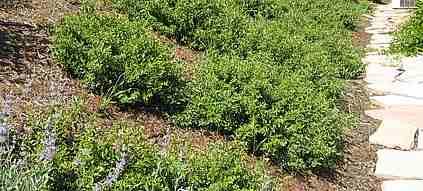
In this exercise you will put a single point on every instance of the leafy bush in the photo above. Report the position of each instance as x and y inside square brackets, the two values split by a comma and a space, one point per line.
[309, 48]
[200, 23]
[269, 109]
[89, 157]
[220, 24]
[280, 73]
[344, 14]
[269, 9]
[409, 40]
[287, 29]
[115, 56]
[274, 72]
[221, 167]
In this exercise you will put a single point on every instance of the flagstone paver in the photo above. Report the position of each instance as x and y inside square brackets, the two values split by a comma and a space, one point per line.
[402, 185]
[396, 100]
[395, 134]
[399, 81]
[413, 90]
[380, 59]
[406, 113]
[396, 164]
[377, 73]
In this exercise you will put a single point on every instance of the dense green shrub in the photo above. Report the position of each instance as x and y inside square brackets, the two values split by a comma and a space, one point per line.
[274, 72]
[220, 24]
[289, 30]
[89, 157]
[409, 40]
[269, 9]
[343, 13]
[220, 167]
[114, 56]
[281, 72]
[271, 110]
[308, 48]
[200, 23]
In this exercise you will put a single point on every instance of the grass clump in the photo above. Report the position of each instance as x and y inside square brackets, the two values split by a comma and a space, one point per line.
[409, 40]
[116, 57]
[89, 157]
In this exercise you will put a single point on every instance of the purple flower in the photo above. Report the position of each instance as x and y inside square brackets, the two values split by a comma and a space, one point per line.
[7, 106]
[165, 141]
[4, 133]
[4, 114]
[49, 143]
[113, 175]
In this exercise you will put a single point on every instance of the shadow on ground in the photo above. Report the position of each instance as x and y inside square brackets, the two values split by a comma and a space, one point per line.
[20, 45]
[12, 48]
[10, 4]
[7, 45]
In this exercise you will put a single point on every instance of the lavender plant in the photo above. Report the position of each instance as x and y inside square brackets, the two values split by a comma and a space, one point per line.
[17, 171]
[113, 175]
[4, 133]
[4, 114]
[74, 154]
[49, 143]
[18, 175]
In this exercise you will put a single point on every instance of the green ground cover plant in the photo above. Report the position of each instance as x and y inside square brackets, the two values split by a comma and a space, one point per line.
[271, 110]
[273, 73]
[220, 24]
[78, 154]
[409, 40]
[118, 58]
[200, 23]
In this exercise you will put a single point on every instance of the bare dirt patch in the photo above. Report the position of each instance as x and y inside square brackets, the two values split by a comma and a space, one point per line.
[36, 12]
[28, 75]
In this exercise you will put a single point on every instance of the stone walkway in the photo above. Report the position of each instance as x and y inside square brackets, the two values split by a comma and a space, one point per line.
[397, 86]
